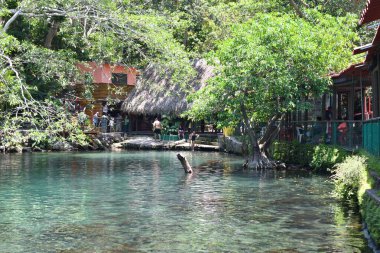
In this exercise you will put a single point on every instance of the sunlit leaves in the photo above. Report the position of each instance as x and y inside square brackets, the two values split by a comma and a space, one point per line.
[273, 62]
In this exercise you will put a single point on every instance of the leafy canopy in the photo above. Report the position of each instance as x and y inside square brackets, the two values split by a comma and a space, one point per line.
[270, 63]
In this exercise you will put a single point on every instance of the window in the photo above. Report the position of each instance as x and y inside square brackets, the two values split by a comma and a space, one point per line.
[119, 78]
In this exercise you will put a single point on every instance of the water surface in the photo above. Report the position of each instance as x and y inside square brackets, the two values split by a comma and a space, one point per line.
[143, 202]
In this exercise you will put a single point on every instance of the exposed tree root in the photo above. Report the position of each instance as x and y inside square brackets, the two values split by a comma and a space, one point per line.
[263, 163]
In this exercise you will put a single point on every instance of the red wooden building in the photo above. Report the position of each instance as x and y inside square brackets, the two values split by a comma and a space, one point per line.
[110, 85]
[356, 89]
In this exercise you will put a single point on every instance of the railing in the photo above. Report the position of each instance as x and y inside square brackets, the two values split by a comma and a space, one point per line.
[169, 137]
[347, 134]
[371, 136]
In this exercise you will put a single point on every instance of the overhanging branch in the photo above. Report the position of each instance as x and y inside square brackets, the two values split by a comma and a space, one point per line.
[11, 20]
[297, 9]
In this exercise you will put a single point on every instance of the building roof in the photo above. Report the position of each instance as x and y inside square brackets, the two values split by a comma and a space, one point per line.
[157, 95]
[362, 49]
[369, 47]
[371, 12]
[352, 70]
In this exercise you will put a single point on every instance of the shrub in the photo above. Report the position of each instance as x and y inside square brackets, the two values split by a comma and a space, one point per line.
[371, 215]
[319, 157]
[325, 157]
[372, 161]
[351, 178]
[292, 152]
[40, 124]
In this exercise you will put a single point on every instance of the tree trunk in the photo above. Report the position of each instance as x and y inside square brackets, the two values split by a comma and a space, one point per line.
[53, 30]
[272, 131]
[185, 38]
[259, 158]
[185, 164]
[297, 9]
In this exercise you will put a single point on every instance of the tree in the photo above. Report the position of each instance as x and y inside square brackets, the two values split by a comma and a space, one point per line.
[267, 67]
[43, 39]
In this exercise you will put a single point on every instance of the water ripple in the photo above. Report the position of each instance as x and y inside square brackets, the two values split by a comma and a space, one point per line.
[143, 202]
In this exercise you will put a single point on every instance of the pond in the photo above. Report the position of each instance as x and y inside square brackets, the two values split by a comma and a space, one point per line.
[142, 201]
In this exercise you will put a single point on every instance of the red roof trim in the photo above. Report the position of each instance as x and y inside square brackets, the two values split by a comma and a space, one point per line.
[354, 69]
[362, 49]
[376, 40]
[371, 12]
[369, 48]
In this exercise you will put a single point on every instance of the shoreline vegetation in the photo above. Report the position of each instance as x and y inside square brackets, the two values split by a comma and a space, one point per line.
[356, 177]
[94, 141]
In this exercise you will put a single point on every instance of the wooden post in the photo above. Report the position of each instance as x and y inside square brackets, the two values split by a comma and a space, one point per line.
[351, 99]
[335, 105]
[185, 164]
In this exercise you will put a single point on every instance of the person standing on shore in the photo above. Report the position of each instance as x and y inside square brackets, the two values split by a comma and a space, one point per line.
[328, 118]
[104, 123]
[181, 133]
[157, 129]
[112, 124]
[126, 125]
[95, 119]
[193, 136]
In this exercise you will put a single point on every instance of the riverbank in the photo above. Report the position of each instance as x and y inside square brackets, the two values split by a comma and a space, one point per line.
[115, 141]
[94, 142]
[355, 176]
[148, 143]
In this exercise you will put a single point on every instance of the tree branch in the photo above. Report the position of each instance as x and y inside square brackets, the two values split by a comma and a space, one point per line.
[11, 20]
[297, 9]
[23, 89]
[304, 4]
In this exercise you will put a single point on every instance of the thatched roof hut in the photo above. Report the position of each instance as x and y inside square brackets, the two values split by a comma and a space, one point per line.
[156, 95]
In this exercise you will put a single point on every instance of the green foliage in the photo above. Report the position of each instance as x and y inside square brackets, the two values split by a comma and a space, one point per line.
[103, 31]
[371, 215]
[338, 7]
[267, 72]
[292, 152]
[320, 157]
[325, 157]
[271, 74]
[32, 126]
[372, 161]
[46, 80]
[351, 178]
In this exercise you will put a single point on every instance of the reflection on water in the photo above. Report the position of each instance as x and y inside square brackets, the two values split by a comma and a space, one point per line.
[143, 202]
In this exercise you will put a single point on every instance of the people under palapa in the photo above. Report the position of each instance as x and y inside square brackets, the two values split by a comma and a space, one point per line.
[126, 125]
[82, 117]
[112, 124]
[181, 133]
[95, 119]
[328, 118]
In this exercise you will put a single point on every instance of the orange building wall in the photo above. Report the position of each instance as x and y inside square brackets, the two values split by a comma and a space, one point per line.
[103, 87]
[103, 73]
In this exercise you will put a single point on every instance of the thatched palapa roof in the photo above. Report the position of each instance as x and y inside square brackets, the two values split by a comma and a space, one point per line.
[156, 95]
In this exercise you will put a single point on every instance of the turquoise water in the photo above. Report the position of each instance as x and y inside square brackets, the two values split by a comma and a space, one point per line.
[143, 202]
